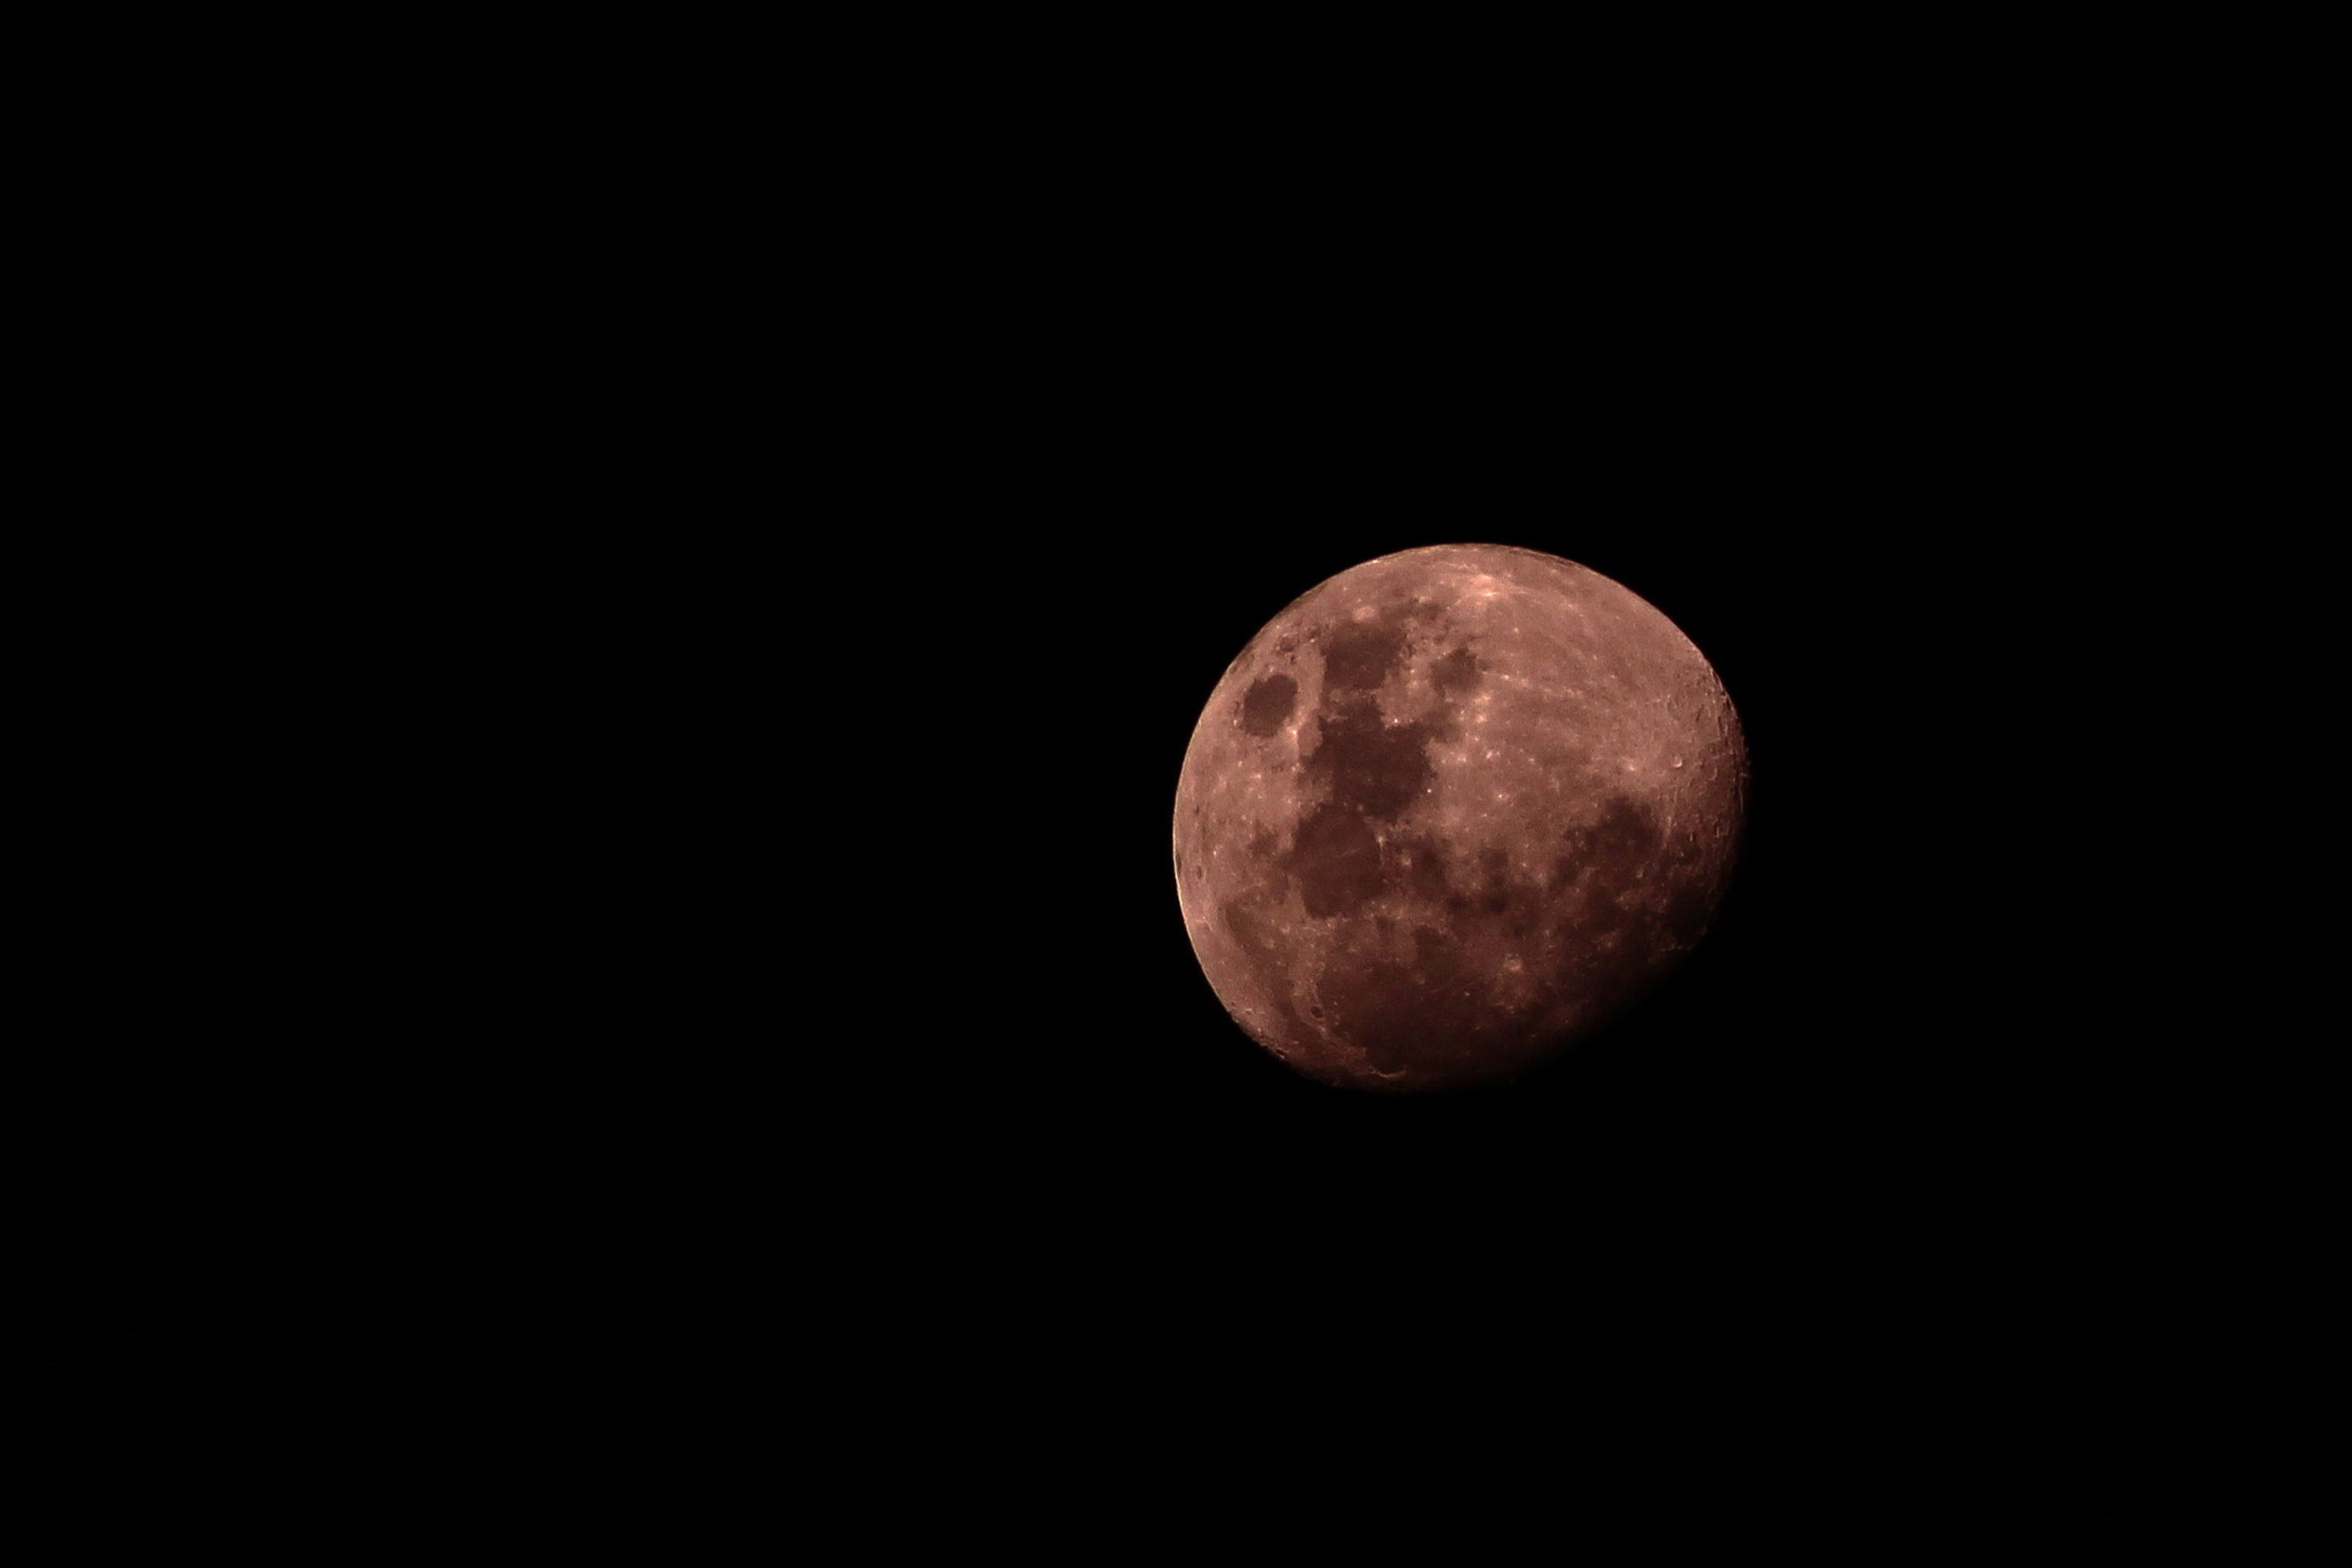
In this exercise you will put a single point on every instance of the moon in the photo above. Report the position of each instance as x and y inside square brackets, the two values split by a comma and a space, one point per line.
[1452, 811]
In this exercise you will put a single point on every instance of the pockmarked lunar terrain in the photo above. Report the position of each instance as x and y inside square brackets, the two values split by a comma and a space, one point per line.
[1451, 810]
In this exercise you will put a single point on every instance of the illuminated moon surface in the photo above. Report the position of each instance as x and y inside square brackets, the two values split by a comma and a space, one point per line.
[1451, 810]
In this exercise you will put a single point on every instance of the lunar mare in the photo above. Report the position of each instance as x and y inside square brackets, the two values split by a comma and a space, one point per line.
[1451, 810]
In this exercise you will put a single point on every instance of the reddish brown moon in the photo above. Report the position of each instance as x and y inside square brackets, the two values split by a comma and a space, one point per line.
[1452, 811]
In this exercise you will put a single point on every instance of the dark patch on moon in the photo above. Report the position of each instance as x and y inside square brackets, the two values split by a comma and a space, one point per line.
[1614, 848]
[1633, 909]
[1437, 955]
[1592, 927]
[1497, 864]
[1426, 1017]
[1260, 952]
[1457, 673]
[1337, 859]
[1690, 902]
[1425, 875]
[1268, 705]
[1688, 910]
[1626, 835]
[1358, 655]
[1379, 769]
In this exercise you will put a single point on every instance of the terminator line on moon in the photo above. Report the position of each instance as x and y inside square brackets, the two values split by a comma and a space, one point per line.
[1451, 810]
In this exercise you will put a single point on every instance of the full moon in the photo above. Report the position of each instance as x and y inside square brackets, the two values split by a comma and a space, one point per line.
[1451, 811]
